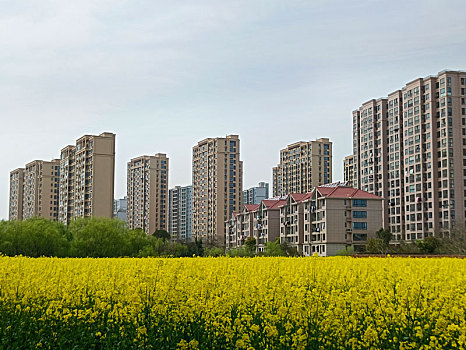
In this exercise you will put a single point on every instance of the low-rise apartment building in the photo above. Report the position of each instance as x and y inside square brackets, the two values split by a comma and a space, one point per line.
[267, 222]
[240, 226]
[339, 217]
[292, 221]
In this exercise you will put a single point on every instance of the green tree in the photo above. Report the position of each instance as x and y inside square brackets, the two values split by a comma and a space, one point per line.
[163, 234]
[136, 240]
[250, 244]
[384, 235]
[289, 250]
[429, 245]
[381, 243]
[99, 237]
[376, 245]
[34, 237]
[274, 249]
[213, 252]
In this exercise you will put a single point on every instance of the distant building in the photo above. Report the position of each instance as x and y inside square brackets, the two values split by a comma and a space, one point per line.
[180, 212]
[147, 193]
[217, 186]
[87, 177]
[303, 165]
[119, 208]
[16, 194]
[79, 184]
[348, 170]
[40, 191]
[255, 195]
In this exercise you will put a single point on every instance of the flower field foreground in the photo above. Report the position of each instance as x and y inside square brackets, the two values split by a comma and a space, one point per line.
[233, 303]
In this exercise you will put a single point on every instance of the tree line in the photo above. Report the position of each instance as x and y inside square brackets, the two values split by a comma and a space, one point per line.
[452, 244]
[106, 238]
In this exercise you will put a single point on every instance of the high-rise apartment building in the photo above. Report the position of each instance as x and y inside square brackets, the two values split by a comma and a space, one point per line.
[119, 208]
[348, 170]
[147, 193]
[180, 212]
[16, 194]
[303, 165]
[67, 183]
[217, 186]
[40, 190]
[87, 177]
[255, 195]
[410, 148]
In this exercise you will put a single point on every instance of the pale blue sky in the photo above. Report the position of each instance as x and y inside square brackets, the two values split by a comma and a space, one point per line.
[163, 75]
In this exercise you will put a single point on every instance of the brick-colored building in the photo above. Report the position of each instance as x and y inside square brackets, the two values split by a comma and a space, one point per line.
[410, 148]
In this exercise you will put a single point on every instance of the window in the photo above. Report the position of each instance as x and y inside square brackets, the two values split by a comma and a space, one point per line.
[360, 237]
[359, 214]
[360, 225]
[360, 202]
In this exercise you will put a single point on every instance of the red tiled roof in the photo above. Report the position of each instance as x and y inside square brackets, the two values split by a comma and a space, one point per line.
[298, 197]
[251, 207]
[345, 192]
[273, 203]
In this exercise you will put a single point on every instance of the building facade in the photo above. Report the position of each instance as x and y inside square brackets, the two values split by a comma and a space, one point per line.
[41, 189]
[410, 148]
[255, 195]
[180, 212]
[292, 221]
[67, 184]
[339, 217]
[119, 208]
[87, 177]
[217, 186]
[266, 223]
[16, 194]
[302, 166]
[147, 193]
[348, 170]
[240, 226]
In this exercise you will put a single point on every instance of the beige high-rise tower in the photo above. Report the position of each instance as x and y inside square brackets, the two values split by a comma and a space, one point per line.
[410, 149]
[67, 183]
[348, 170]
[303, 166]
[87, 177]
[16, 194]
[147, 193]
[217, 186]
[40, 191]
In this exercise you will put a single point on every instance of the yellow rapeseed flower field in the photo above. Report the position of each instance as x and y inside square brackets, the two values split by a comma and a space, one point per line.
[233, 303]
